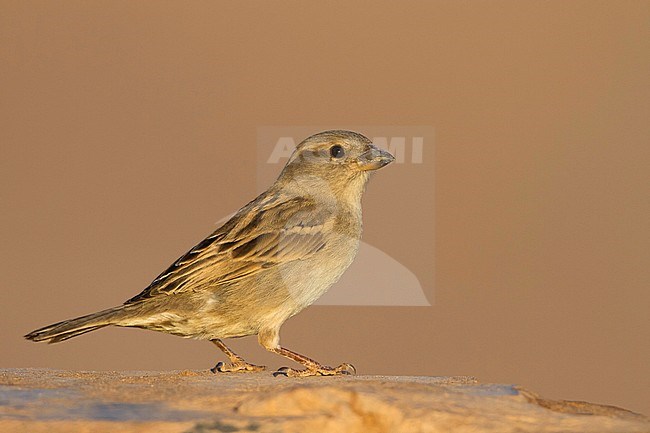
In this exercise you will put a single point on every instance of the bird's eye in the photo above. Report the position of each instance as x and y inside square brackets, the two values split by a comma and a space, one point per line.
[337, 151]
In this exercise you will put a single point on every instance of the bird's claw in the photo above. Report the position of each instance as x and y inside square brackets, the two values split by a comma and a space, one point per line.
[236, 367]
[343, 369]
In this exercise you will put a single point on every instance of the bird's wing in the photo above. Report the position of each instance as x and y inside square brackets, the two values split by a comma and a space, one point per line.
[268, 231]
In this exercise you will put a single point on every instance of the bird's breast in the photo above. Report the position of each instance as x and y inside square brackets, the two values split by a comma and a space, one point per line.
[307, 280]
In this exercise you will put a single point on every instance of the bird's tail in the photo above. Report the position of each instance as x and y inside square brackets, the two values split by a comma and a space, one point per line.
[71, 328]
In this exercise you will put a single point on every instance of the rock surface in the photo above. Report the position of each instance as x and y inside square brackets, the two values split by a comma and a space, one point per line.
[34, 400]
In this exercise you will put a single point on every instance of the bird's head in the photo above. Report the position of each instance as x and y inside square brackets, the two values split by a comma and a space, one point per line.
[338, 161]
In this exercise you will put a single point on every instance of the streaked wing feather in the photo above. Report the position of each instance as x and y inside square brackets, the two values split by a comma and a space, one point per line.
[263, 234]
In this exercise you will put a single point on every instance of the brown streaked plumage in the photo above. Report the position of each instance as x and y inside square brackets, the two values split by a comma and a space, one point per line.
[273, 258]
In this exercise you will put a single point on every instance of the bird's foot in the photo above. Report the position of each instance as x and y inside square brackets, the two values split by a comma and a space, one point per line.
[236, 367]
[321, 370]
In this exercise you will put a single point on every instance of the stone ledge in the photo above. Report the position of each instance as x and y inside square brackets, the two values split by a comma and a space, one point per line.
[52, 401]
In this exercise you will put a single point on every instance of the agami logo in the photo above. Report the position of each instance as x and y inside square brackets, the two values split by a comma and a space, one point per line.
[396, 145]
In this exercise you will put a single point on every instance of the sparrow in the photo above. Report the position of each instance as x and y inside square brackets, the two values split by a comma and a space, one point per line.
[277, 255]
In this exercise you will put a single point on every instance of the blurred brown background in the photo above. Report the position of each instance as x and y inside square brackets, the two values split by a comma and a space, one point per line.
[129, 128]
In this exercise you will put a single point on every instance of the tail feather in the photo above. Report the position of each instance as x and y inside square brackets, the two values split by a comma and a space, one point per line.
[68, 335]
[71, 328]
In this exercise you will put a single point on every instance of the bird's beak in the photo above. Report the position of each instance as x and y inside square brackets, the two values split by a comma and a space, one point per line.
[374, 158]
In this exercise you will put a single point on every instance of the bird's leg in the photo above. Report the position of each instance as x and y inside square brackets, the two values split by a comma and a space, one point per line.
[313, 368]
[236, 364]
[270, 341]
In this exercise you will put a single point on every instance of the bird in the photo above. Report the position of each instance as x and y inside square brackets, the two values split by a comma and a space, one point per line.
[277, 255]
